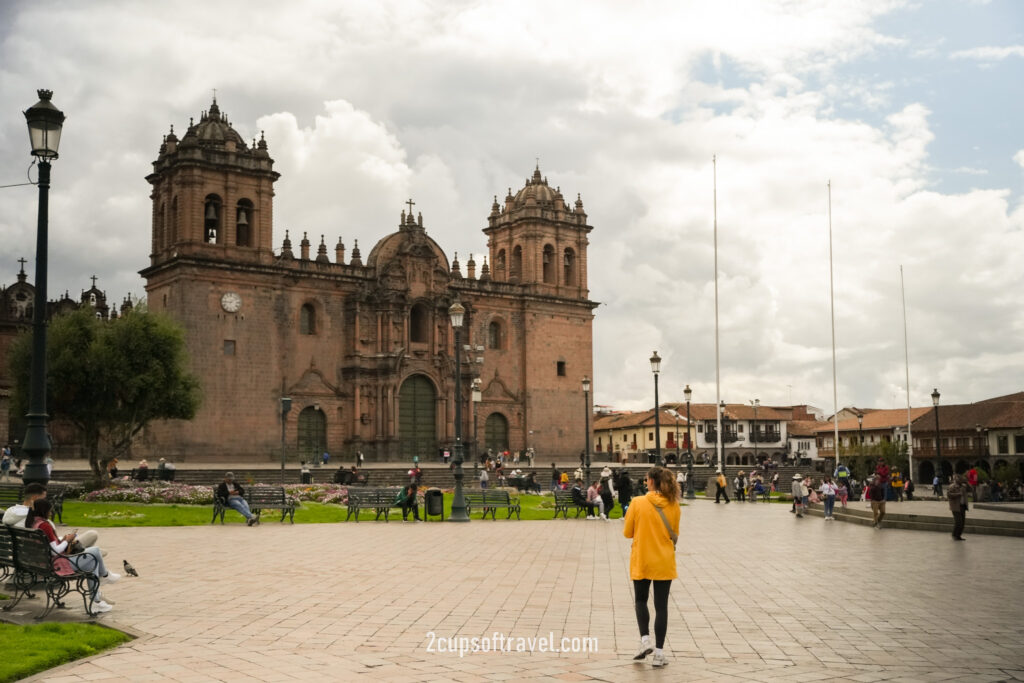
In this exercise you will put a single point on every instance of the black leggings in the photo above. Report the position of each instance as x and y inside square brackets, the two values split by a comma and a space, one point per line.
[641, 588]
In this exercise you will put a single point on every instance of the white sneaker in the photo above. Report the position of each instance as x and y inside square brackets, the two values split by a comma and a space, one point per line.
[111, 577]
[101, 606]
[604, 517]
[645, 648]
[658, 660]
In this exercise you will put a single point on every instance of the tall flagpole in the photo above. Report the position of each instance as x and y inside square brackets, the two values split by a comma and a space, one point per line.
[718, 376]
[832, 304]
[906, 364]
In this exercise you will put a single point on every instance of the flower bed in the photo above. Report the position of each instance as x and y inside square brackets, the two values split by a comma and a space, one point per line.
[126, 491]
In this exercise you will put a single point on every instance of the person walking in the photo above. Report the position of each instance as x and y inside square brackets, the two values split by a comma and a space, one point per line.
[876, 494]
[722, 490]
[957, 494]
[624, 487]
[652, 521]
[937, 486]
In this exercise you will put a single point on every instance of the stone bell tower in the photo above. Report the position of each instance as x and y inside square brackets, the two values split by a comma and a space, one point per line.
[212, 194]
[539, 241]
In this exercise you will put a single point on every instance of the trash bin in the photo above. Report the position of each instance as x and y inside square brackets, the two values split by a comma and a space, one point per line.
[433, 503]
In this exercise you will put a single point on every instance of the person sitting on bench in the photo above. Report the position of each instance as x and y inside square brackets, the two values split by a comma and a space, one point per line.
[233, 496]
[580, 499]
[407, 499]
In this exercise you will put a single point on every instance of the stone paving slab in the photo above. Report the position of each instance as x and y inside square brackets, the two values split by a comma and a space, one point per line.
[762, 596]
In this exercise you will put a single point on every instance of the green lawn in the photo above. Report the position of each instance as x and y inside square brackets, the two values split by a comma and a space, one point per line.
[99, 515]
[30, 649]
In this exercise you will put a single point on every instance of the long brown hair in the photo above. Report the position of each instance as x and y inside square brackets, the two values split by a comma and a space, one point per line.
[665, 482]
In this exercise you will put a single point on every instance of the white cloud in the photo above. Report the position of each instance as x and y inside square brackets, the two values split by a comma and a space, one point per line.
[1018, 158]
[990, 53]
[367, 104]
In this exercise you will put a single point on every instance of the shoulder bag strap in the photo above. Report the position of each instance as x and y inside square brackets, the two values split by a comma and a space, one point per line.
[668, 527]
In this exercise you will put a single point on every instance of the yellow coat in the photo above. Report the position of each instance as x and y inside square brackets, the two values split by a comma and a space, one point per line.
[653, 556]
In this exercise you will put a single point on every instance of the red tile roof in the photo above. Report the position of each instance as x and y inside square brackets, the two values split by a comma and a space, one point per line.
[876, 419]
[1003, 412]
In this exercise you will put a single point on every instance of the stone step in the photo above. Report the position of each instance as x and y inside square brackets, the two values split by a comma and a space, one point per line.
[991, 527]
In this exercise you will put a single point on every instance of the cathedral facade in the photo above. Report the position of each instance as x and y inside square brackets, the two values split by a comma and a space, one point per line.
[363, 347]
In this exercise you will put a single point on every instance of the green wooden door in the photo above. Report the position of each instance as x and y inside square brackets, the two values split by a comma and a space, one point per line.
[496, 433]
[312, 434]
[417, 418]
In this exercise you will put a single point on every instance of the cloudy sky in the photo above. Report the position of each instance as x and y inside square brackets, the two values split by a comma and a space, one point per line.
[911, 109]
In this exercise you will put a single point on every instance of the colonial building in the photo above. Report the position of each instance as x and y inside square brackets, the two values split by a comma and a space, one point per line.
[988, 435]
[17, 303]
[364, 347]
[628, 437]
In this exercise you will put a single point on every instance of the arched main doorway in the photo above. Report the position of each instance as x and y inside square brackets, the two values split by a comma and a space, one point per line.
[496, 433]
[312, 433]
[417, 418]
[926, 472]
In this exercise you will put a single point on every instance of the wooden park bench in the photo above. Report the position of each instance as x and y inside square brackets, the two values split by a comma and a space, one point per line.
[489, 500]
[259, 498]
[379, 500]
[32, 560]
[564, 503]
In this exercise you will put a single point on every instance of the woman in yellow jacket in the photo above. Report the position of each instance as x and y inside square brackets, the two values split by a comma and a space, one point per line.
[653, 556]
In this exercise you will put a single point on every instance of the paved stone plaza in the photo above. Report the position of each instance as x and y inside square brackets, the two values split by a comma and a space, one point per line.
[761, 597]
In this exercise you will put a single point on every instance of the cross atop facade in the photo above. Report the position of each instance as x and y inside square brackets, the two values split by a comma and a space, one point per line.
[93, 281]
[410, 203]
[214, 94]
[22, 262]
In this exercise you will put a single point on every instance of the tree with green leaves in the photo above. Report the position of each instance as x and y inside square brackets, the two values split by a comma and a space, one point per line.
[110, 378]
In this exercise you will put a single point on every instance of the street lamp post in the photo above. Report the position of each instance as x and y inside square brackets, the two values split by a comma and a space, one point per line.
[586, 427]
[977, 428]
[656, 368]
[938, 443]
[45, 122]
[756, 403]
[477, 397]
[720, 442]
[690, 493]
[675, 413]
[286, 406]
[459, 513]
[860, 432]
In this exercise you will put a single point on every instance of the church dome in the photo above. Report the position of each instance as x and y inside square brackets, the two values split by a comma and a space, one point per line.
[213, 130]
[538, 192]
[411, 239]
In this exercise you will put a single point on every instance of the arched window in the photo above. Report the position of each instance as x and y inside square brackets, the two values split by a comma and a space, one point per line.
[419, 324]
[494, 335]
[549, 264]
[243, 223]
[569, 267]
[307, 319]
[160, 237]
[212, 211]
[516, 269]
[496, 433]
[499, 265]
[174, 221]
